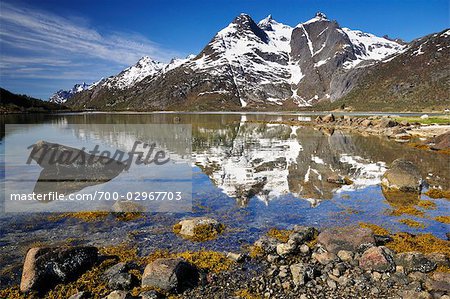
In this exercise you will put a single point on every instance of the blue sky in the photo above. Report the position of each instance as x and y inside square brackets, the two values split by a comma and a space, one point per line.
[51, 44]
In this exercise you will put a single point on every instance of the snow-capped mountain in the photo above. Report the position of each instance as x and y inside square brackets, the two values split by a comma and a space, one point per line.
[370, 47]
[61, 96]
[264, 65]
[145, 67]
[415, 78]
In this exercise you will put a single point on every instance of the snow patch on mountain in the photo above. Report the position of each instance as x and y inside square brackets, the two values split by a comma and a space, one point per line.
[142, 69]
[370, 47]
[61, 96]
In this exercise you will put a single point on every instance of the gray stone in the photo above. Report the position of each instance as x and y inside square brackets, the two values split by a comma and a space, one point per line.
[121, 281]
[127, 207]
[115, 269]
[331, 284]
[345, 255]
[237, 257]
[120, 295]
[188, 226]
[286, 248]
[387, 123]
[378, 259]
[267, 244]
[170, 274]
[349, 238]
[304, 249]
[439, 281]
[325, 257]
[298, 274]
[151, 295]
[414, 261]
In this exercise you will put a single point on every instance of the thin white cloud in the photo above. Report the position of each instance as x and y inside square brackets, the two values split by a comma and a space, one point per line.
[37, 31]
[41, 47]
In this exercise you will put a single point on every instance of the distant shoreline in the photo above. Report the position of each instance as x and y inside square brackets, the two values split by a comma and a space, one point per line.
[353, 113]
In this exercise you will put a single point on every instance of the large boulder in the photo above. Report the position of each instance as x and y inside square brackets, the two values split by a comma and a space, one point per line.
[379, 259]
[199, 228]
[440, 142]
[414, 261]
[170, 274]
[44, 267]
[386, 122]
[349, 238]
[402, 176]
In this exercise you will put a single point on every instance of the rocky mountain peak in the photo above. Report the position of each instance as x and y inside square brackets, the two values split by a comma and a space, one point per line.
[266, 23]
[243, 24]
[318, 18]
[252, 65]
[320, 15]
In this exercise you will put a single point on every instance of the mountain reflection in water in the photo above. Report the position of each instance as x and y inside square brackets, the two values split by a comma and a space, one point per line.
[246, 156]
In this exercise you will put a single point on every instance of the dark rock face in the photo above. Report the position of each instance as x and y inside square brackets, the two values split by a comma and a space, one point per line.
[320, 48]
[172, 275]
[402, 176]
[345, 238]
[45, 267]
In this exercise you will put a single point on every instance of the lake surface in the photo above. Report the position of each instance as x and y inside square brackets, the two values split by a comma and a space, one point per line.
[246, 172]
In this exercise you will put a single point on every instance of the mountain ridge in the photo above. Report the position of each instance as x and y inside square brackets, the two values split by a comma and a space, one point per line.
[252, 66]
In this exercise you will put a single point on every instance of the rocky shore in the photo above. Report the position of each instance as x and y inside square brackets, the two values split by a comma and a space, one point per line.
[402, 131]
[346, 262]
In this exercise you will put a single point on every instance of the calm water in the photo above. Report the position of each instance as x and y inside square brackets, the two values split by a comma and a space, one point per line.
[247, 173]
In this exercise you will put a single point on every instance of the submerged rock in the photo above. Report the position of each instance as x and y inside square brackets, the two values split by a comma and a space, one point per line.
[440, 142]
[402, 176]
[45, 267]
[170, 274]
[127, 207]
[199, 228]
